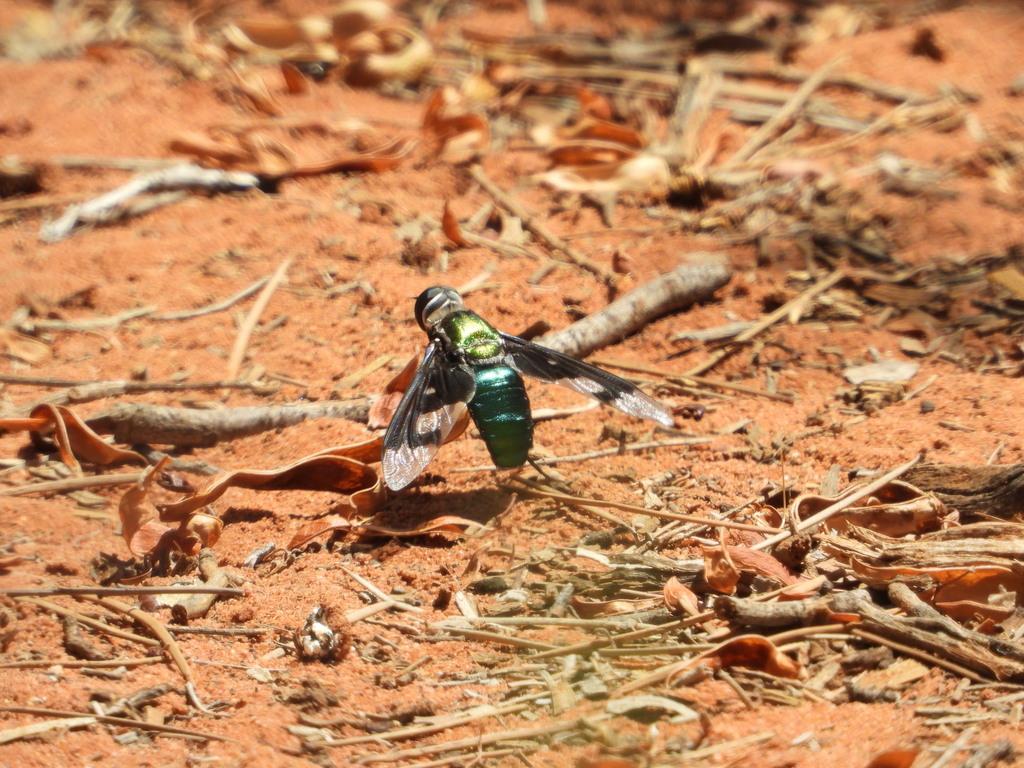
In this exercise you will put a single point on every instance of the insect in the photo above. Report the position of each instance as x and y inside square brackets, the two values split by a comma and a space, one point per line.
[470, 365]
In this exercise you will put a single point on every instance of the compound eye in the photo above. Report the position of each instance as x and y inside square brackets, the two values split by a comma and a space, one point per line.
[435, 304]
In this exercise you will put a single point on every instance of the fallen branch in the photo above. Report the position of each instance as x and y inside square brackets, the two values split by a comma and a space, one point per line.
[134, 423]
[683, 286]
[112, 205]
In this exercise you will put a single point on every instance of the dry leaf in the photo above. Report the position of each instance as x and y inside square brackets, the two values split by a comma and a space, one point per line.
[24, 348]
[895, 758]
[680, 599]
[340, 470]
[75, 441]
[403, 58]
[754, 652]
[761, 563]
[146, 534]
[595, 609]
[719, 571]
[459, 134]
[643, 173]
[450, 227]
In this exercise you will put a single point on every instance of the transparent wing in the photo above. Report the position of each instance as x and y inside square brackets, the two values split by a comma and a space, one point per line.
[548, 365]
[426, 415]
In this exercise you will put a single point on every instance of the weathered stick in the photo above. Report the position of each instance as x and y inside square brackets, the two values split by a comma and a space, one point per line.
[682, 287]
[110, 205]
[133, 423]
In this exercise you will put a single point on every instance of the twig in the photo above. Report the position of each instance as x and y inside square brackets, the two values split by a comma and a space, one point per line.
[114, 591]
[35, 729]
[839, 506]
[60, 610]
[73, 484]
[499, 639]
[643, 446]
[532, 224]
[777, 123]
[682, 287]
[249, 325]
[88, 324]
[164, 638]
[584, 503]
[377, 592]
[77, 663]
[218, 306]
[110, 205]
[790, 309]
[123, 722]
[473, 742]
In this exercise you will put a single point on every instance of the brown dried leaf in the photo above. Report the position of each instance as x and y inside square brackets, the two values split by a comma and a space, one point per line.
[895, 758]
[680, 599]
[643, 173]
[140, 526]
[602, 130]
[74, 439]
[761, 563]
[895, 510]
[294, 80]
[403, 58]
[755, 652]
[450, 227]
[341, 470]
[719, 571]
[24, 348]
[595, 609]
[459, 134]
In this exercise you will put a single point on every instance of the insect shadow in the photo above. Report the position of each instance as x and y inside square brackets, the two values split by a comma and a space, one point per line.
[416, 508]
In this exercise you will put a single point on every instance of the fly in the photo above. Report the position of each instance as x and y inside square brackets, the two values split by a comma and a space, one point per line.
[469, 365]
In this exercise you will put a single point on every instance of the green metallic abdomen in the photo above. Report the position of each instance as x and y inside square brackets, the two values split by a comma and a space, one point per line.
[501, 412]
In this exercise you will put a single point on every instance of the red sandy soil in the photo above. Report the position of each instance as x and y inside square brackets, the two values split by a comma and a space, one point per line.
[120, 102]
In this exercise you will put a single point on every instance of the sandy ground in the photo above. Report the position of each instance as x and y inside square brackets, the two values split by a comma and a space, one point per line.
[347, 299]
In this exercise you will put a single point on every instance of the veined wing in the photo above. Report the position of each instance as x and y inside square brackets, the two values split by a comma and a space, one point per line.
[548, 365]
[428, 411]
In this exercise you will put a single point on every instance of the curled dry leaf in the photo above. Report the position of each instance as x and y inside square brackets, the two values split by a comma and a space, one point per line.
[287, 38]
[895, 758]
[680, 599]
[897, 509]
[320, 148]
[146, 534]
[459, 134]
[754, 652]
[450, 227]
[354, 17]
[761, 564]
[75, 441]
[719, 571]
[24, 348]
[403, 57]
[340, 470]
[643, 173]
[448, 525]
[596, 609]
